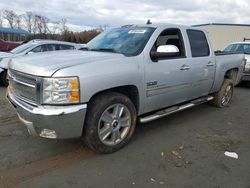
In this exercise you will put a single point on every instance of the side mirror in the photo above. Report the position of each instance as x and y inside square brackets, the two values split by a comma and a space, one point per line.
[164, 51]
[30, 53]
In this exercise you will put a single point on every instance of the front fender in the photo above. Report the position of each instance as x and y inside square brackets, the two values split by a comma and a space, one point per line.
[4, 64]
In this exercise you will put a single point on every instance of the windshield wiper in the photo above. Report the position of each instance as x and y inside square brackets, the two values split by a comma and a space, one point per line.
[104, 50]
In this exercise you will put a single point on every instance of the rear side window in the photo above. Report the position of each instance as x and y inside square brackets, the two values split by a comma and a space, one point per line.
[198, 43]
[65, 47]
[51, 47]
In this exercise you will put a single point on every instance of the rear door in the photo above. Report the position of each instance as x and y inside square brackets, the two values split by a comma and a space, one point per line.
[202, 61]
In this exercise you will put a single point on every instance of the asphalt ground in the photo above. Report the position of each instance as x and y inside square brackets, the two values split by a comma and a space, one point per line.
[185, 149]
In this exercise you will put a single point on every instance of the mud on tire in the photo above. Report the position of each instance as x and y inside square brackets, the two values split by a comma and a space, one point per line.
[223, 97]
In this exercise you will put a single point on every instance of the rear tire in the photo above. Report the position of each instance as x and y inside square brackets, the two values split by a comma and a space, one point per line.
[110, 122]
[223, 97]
[3, 78]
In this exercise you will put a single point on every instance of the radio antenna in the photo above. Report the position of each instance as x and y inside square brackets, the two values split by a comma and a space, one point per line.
[149, 22]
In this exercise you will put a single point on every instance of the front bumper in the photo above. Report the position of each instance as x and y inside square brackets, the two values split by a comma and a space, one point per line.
[59, 122]
[245, 76]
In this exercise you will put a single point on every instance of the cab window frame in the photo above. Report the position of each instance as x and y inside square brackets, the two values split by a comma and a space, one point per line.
[183, 52]
[207, 43]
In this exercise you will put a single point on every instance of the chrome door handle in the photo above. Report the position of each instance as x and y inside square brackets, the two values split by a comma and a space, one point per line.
[184, 67]
[210, 64]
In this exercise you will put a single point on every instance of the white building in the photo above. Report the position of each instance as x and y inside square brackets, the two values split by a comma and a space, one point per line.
[223, 34]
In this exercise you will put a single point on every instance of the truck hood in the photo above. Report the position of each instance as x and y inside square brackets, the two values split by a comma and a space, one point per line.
[46, 64]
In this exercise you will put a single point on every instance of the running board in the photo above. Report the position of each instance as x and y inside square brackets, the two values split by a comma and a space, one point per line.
[171, 110]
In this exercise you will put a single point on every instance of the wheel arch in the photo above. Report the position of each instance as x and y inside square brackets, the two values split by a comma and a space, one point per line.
[232, 74]
[131, 91]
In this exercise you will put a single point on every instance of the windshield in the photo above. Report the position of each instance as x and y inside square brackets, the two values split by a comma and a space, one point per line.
[244, 48]
[129, 41]
[22, 48]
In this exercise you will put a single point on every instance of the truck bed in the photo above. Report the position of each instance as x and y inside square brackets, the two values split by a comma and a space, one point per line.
[218, 53]
[227, 61]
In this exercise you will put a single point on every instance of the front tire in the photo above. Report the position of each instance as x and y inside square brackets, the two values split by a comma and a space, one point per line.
[3, 78]
[110, 122]
[223, 97]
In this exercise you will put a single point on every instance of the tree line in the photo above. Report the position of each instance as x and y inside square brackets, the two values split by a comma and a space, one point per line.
[42, 27]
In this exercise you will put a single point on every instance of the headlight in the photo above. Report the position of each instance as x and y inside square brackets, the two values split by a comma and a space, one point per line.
[61, 90]
[247, 66]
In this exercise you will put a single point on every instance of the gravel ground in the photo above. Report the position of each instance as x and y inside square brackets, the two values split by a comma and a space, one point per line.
[185, 149]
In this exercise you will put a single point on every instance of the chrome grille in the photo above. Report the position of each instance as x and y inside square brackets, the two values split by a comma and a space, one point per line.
[23, 86]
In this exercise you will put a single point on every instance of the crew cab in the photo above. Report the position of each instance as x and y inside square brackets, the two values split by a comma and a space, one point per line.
[242, 47]
[125, 75]
[34, 46]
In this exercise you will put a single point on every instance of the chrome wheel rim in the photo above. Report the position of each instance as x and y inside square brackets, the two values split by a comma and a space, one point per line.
[227, 95]
[114, 124]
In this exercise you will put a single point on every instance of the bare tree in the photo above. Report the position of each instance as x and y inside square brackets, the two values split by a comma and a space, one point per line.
[63, 25]
[45, 22]
[18, 22]
[55, 27]
[10, 16]
[28, 20]
[40, 24]
[1, 18]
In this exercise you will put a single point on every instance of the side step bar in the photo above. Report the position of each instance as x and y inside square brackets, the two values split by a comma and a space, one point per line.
[171, 110]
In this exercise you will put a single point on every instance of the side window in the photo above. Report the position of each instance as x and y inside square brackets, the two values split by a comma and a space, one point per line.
[51, 47]
[66, 47]
[37, 49]
[198, 43]
[171, 37]
[41, 48]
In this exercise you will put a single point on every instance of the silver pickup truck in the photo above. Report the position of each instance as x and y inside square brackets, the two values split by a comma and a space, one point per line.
[124, 75]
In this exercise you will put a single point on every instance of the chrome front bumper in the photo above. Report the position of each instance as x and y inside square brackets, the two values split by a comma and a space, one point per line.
[59, 122]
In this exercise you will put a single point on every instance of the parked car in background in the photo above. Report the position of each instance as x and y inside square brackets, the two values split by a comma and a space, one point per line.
[34, 46]
[6, 46]
[137, 72]
[242, 47]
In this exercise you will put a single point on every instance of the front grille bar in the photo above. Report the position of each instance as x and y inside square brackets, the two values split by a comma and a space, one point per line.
[23, 83]
[24, 86]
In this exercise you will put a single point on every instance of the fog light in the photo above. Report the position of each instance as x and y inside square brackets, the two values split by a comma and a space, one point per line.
[47, 133]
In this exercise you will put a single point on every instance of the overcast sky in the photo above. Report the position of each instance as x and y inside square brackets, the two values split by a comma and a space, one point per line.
[87, 13]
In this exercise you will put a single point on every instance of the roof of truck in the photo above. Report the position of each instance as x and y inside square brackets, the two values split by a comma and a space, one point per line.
[162, 25]
[222, 24]
[240, 43]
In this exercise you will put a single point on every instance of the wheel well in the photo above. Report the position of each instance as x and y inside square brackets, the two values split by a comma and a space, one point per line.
[232, 74]
[130, 91]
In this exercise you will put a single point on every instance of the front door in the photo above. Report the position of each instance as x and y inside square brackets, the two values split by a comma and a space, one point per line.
[168, 80]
